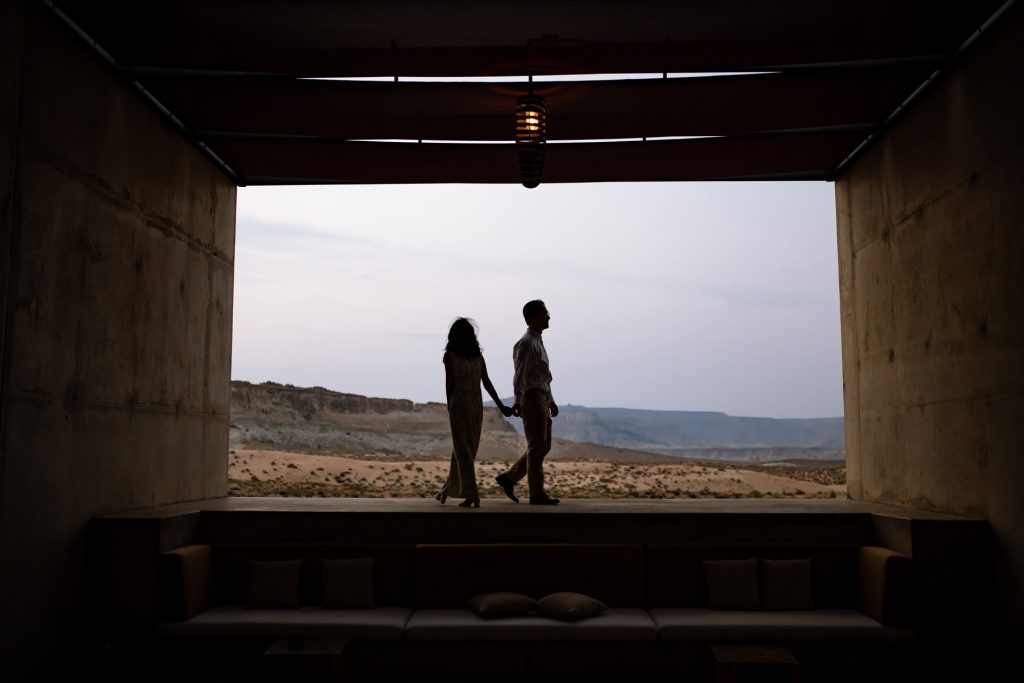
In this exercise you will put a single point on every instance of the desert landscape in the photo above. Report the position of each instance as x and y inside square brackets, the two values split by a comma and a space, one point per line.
[293, 441]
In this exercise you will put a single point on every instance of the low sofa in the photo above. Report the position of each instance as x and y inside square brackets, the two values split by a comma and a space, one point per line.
[658, 619]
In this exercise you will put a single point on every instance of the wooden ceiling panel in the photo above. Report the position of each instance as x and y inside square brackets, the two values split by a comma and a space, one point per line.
[790, 156]
[576, 111]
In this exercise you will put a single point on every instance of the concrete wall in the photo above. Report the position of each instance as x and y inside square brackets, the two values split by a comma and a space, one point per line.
[931, 253]
[118, 248]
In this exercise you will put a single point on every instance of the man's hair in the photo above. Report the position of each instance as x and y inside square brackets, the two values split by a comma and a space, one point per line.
[532, 308]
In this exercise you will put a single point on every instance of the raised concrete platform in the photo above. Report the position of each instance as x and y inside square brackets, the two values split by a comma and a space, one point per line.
[419, 520]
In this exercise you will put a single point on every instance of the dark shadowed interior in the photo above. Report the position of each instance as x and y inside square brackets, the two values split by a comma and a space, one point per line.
[125, 129]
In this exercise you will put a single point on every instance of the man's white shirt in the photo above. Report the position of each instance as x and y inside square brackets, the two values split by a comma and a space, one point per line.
[530, 359]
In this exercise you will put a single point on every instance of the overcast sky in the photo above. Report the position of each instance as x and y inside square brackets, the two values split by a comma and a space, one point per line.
[674, 296]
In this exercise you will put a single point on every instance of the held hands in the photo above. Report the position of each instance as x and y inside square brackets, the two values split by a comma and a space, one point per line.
[517, 410]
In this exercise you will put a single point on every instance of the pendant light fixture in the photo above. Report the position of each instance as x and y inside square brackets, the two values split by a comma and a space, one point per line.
[531, 129]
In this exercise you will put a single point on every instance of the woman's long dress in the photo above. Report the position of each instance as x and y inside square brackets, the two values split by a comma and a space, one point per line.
[465, 415]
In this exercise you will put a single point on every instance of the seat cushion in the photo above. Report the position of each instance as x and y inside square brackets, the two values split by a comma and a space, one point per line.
[615, 624]
[382, 623]
[693, 623]
[348, 584]
[732, 584]
[274, 585]
[786, 584]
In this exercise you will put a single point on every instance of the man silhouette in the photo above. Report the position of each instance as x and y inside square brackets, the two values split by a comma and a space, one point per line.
[533, 402]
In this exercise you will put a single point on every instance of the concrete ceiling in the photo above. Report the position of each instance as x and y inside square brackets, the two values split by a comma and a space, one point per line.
[232, 75]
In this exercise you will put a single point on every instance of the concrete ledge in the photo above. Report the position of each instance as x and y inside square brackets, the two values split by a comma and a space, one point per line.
[571, 506]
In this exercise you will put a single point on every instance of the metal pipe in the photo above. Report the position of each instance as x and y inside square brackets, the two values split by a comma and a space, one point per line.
[919, 91]
[144, 94]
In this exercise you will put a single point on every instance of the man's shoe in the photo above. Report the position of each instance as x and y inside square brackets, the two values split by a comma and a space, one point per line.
[544, 500]
[507, 486]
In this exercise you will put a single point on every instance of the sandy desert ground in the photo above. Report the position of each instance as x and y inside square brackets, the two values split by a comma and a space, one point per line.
[295, 441]
[278, 473]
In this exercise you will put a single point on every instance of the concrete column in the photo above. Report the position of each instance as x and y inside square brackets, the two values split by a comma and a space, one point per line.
[931, 251]
[118, 250]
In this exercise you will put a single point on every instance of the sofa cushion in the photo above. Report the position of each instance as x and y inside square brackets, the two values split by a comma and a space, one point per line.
[786, 584]
[273, 585]
[448, 575]
[186, 581]
[615, 624]
[494, 605]
[382, 623]
[675, 574]
[569, 606]
[348, 584]
[732, 584]
[392, 569]
[886, 591]
[695, 623]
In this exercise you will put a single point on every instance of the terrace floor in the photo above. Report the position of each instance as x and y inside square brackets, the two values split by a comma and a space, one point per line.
[570, 506]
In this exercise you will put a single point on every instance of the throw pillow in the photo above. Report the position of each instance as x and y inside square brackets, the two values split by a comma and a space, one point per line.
[273, 585]
[732, 584]
[493, 605]
[569, 606]
[348, 584]
[786, 584]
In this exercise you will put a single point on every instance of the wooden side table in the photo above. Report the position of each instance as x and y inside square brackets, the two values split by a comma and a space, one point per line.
[307, 659]
[737, 663]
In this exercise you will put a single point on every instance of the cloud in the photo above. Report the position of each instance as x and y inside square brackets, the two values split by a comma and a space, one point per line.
[254, 231]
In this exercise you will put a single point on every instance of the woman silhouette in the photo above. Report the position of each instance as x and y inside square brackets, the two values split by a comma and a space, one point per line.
[464, 370]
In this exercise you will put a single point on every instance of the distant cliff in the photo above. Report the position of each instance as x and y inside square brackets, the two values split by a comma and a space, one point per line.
[697, 434]
[670, 429]
[316, 420]
[286, 402]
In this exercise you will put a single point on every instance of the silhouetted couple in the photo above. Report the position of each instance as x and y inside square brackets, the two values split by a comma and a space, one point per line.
[464, 371]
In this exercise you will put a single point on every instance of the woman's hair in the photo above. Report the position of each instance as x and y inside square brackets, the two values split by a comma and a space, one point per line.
[462, 339]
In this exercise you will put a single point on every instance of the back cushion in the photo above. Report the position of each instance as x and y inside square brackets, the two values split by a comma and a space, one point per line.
[448, 575]
[392, 569]
[675, 575]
